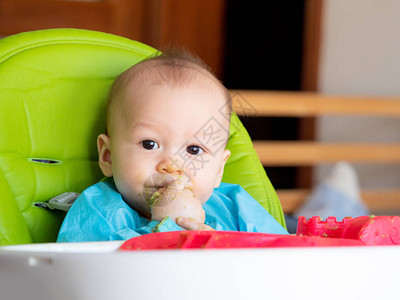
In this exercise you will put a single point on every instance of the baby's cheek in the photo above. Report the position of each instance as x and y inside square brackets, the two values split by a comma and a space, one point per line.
[140, 178]
[202, 189]
[198, 168]
[130, 181]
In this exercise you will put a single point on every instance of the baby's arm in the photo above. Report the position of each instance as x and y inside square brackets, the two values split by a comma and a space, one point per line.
[191, 224]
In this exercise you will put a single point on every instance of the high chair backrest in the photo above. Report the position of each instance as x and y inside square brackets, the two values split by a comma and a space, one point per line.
[54, 85]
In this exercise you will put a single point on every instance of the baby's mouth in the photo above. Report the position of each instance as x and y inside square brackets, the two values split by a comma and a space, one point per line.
[149, 191]
[154, 188]
[162, 185]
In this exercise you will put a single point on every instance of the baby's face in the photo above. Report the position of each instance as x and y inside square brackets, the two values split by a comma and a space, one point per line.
[161, 132]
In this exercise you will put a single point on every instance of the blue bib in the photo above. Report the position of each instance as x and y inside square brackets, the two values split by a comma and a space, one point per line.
[100, 214]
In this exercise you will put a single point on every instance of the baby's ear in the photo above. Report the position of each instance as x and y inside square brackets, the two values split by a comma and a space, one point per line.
[226, 155]
[103, 147]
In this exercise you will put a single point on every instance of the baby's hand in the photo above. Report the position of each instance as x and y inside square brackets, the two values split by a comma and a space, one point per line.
[191, 224]
[176, 200]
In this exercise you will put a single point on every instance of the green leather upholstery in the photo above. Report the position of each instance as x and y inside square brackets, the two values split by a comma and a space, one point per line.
[244, 168]
[54, 85]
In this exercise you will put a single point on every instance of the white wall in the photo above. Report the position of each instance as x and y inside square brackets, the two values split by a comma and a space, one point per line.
[361, 56]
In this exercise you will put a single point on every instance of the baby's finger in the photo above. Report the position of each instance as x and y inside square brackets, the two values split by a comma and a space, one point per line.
[190, 224]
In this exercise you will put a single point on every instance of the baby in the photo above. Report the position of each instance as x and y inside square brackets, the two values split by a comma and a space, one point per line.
[164, 155]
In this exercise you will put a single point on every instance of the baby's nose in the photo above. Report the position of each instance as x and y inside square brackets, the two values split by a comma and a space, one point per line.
[170, 166]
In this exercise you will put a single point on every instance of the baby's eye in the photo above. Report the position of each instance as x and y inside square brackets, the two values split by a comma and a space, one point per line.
[194, 150]
[150, 145]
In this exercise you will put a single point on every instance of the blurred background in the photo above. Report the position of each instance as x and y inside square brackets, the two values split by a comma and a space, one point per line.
[327, 46]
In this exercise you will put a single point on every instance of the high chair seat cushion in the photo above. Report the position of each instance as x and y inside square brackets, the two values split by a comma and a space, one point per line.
[54, 85]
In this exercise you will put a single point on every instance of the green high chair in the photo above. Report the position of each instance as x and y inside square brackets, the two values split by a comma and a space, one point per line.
[53, 90]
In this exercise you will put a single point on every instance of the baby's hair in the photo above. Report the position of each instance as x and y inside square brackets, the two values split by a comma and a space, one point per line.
[172, 66]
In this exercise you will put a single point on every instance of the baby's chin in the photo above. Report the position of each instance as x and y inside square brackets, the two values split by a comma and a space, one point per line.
[138, 203]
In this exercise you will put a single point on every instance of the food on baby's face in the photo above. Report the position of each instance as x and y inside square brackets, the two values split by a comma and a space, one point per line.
[176, 200]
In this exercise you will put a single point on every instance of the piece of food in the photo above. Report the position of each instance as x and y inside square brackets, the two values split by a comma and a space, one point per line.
[176, 200]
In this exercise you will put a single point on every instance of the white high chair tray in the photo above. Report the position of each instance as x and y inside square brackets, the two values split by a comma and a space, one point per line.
[99, 271]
